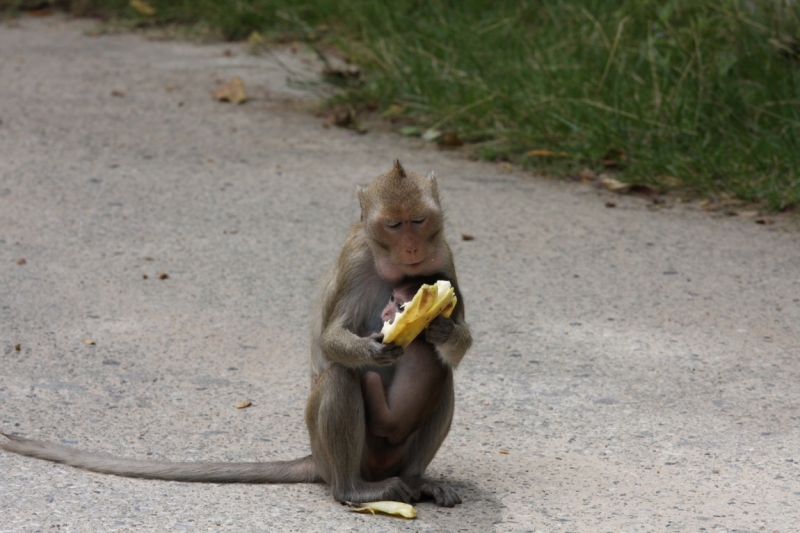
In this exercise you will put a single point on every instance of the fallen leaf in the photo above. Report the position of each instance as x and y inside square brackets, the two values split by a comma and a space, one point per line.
[543, 152]
[611, 204]
[21, 261]
[431, 135]
[587, 175]
[645, 191]
[232, 91]
[345, 118]
[450, 140]
[163, 275]
[612, 184]
[144, 276]
[400, 509]
[17, 347]
[747, 213]
[410, 131]
[503, 452]
[467, 237]
[118, 94]
[614, 158]
[40, 12]
[764, 221]
[394, 111]
[255, 41]
[243, 404]
[88, 342]
[143, 8]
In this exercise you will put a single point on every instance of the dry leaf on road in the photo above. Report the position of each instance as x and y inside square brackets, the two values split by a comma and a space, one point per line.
[232, 91]
[450, 139]
[586, 175]
[543, 152]
[143, 8]
[612, 184]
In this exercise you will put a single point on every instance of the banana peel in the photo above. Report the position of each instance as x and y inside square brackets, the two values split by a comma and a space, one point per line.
[429, 302]
[400, 509]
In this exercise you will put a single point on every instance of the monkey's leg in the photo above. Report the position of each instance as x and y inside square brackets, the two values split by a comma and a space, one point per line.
[427, 440]
[336, 427]
[380, 419]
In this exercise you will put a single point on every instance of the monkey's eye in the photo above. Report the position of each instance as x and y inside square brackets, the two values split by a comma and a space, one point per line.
[393, 224]
[417, 221]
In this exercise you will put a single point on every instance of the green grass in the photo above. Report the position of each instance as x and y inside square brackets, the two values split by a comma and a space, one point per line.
[702, 96]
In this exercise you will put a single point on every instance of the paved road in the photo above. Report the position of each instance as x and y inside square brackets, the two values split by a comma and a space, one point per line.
[633, 370]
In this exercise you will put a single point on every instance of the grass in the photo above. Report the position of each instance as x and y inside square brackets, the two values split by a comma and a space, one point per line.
[702, 96]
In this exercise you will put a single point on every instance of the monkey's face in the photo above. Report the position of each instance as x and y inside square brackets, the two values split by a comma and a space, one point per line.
[400, 295]
[394, 306]
[408, 246]
[403, 220]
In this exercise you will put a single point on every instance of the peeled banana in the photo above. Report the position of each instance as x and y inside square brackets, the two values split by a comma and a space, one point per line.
[429, 302]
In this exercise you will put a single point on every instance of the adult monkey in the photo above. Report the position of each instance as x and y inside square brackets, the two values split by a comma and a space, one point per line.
[399, 236]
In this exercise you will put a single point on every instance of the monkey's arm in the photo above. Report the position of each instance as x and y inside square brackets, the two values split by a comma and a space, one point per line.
[340, 345]
[451, 338]
[352, 295]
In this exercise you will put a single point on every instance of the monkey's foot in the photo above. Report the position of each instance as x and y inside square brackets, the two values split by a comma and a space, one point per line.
[391, 489]
[443, 494]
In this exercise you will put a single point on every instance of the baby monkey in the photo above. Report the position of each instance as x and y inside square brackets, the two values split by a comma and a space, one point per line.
[397, 403]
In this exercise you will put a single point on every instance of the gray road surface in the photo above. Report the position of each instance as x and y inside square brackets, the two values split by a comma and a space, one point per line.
[633, 371]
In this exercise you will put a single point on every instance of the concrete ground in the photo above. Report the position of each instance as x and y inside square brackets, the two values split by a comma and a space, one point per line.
[633, 370]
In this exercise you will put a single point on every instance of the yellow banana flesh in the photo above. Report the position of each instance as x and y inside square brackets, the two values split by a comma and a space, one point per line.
[429, 302]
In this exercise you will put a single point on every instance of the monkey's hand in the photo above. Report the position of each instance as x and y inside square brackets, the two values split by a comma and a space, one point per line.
[383, 354]
[440, 330]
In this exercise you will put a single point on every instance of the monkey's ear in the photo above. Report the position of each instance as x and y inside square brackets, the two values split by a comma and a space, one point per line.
[360, 194]
[398, 168]
[434, 183]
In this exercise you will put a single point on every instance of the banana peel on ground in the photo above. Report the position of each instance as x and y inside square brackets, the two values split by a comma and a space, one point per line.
[400, 509]
[429, 302]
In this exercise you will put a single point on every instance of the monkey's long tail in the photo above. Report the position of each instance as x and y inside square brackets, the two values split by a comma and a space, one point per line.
[296, 471]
